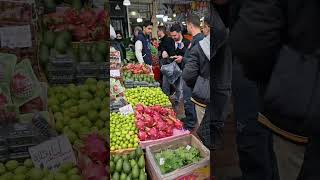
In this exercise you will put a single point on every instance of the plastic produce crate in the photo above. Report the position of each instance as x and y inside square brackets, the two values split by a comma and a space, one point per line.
[191, 140]
[87, 69]
[58, 70]
[61, 79]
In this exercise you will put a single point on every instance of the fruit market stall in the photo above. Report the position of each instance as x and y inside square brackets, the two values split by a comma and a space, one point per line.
[142, 118]
[53, 98]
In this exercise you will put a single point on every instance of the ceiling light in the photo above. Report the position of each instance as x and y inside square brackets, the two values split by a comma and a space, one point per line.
[169, 19]
[174, 15]
[133, 13]
[139, 20]
[126, 2]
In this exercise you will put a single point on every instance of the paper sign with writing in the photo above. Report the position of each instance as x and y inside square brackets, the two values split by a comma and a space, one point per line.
[16, 36]
[115, 73]
[126, 110]
[52, 153]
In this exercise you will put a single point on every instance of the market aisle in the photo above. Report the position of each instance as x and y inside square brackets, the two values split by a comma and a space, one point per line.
[226, 160]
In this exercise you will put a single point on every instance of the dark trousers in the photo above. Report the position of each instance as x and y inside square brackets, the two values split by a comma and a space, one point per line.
[190, 112]
[254, 142]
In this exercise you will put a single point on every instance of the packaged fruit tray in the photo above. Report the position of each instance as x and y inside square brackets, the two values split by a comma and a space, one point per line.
[184, 141]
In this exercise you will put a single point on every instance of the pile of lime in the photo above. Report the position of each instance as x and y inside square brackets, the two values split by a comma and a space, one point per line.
[12, 170]
[123, 132]
[147, 96]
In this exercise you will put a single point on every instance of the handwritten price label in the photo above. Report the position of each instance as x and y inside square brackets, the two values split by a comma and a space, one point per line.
[16, 36]
[52, 153]
[126, 110]
[115, 73]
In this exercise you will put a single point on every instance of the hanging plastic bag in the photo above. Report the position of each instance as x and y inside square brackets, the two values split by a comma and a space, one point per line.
[172, 71]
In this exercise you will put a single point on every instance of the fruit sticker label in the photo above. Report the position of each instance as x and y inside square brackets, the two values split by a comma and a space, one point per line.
[115, 73]
[16, 36]
[52, 153]
[126, 110]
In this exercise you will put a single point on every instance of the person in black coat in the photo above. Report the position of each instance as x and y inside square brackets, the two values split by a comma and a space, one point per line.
[174, 49]
[198, 65]
[166, 45]
[262, 29]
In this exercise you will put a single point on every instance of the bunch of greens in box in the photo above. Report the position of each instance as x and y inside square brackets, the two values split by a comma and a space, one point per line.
[172, 159]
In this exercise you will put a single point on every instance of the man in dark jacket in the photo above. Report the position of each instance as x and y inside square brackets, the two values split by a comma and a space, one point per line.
[179, 46]
[166, 48]
[199, 65]
[143, 44]
[193, 27]
[263, 28]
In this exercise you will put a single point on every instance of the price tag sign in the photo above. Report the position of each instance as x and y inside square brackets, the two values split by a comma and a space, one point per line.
[115, 73]
[161, 161]
[52, 153]
[126, 110]
[188, 147]
[16, 36]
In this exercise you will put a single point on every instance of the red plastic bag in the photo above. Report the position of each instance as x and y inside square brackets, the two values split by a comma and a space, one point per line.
[156, 72]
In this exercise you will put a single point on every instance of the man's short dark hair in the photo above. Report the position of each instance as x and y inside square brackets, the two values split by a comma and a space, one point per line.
[175, 27]
[193, 19]
[207, 20]
[162, 28]
[147, 23]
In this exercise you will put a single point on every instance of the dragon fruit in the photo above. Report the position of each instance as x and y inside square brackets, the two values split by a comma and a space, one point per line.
[95, 148]
[142, 135]
[139, 108]
[140, 125]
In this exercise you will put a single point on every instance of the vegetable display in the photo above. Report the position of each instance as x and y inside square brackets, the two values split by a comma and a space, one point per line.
[155, 122]
[138, 77]
[131, 166]
[137, 69]
[147, 97]
[123, 132]
[171, 159]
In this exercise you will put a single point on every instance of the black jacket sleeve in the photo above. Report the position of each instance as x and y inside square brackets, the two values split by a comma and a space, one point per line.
[192, 68]
[256, 36]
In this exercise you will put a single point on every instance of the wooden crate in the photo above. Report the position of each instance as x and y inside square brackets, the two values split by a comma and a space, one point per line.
[153, 168]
